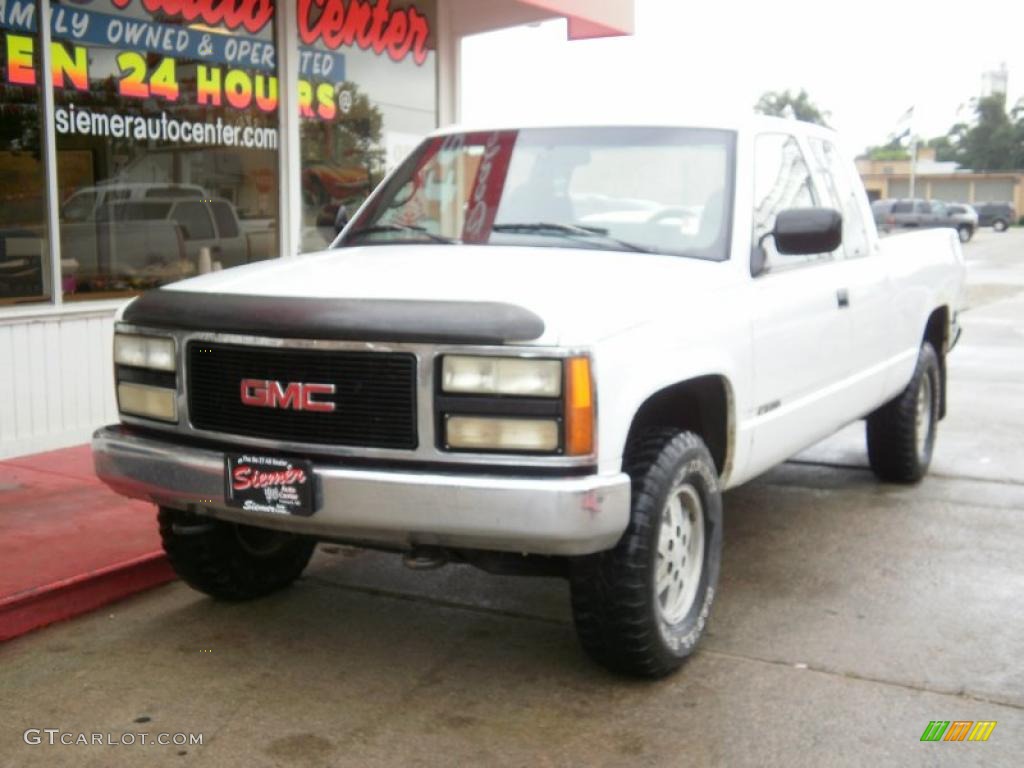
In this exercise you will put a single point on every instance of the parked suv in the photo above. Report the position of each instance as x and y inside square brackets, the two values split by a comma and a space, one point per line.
[999, 216]
[205, 223]
[87, 203]
[892, 215]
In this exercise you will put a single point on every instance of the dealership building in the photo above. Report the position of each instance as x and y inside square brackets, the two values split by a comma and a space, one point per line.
[145, 141]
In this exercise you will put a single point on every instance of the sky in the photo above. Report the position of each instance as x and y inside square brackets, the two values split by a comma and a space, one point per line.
[866, 63]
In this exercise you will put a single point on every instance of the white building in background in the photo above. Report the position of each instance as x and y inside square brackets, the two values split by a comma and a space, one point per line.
[160, 142]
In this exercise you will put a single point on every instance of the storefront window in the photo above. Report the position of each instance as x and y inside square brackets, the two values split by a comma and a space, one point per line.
[24, 255]
[167, 132]
[367, 97]
[167, 140]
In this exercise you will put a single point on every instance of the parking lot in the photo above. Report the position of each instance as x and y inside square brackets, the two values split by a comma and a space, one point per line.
[850, 614]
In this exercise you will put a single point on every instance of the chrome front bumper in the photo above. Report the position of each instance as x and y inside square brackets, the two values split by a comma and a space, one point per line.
[398, 508]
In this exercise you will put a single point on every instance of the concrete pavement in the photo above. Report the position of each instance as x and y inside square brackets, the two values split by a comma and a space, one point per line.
[850, 615]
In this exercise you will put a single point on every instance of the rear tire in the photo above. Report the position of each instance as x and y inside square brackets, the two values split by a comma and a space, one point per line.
[641, 608]
[901, 434]
[231, 561]
[965, 232]
[1000, 225]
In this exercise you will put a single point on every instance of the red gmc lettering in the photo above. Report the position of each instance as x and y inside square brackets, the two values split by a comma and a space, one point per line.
[370, 26]
[296, 396]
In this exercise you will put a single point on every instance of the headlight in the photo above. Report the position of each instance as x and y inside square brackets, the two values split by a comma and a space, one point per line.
[144, 400]
[144, 352]
[502, 376]
[483, 433]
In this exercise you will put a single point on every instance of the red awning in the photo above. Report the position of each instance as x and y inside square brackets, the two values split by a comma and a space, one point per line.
[591, 18]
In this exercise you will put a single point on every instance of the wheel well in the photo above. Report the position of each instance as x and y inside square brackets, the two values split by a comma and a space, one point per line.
[937, 333]
[700, 405]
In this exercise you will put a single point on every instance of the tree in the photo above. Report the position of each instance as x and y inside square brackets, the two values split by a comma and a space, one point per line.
[993, 143]
[894, 150]
[786, 104]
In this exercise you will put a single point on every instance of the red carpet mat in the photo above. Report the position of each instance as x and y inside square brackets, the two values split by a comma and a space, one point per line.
[69, 544]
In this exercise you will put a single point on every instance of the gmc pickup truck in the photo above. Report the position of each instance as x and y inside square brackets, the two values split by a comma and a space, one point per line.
[539, 350]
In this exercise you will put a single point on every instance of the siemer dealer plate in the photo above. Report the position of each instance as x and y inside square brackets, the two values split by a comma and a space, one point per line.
[269, 484]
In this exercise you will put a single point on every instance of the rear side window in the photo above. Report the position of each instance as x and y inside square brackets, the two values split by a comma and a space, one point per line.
[194, 220]
[133, 212]
[904, 206]
[782, 180]
[172, 192]
[922, 206]
[838, 183]
[226, 224]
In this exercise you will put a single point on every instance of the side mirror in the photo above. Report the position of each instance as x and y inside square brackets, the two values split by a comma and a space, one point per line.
[806, 231]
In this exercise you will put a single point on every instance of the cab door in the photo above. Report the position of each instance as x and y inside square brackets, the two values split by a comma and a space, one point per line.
[800, 330]
[866, 280]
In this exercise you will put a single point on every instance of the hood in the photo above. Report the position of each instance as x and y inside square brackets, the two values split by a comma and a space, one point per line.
[582, 295]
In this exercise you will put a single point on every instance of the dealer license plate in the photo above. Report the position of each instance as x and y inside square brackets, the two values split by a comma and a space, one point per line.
[269, 484]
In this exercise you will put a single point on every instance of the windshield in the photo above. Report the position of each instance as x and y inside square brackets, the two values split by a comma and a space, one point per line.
[657, 190]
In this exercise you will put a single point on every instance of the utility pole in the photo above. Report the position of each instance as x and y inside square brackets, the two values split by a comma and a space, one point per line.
[913, 163]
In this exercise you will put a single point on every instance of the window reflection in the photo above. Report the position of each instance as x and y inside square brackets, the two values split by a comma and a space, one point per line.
[365, 103]
[24, 255]
[166, 143]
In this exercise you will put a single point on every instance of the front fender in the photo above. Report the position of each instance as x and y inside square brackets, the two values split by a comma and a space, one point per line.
[636, 365]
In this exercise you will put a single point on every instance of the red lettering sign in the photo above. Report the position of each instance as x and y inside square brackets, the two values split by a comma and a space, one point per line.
[252, 15]
[372, 27]
[244, 477]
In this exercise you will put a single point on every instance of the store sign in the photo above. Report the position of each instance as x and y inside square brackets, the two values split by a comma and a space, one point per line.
[398, 32]
[236, 70]
[252, 15]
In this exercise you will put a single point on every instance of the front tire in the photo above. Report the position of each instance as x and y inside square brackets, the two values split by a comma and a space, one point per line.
[1000, 225]
[965, 233]
[230, 561]
[641, 608]
[901, 434]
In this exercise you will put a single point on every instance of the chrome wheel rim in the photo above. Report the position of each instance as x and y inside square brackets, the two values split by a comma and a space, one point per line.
[923, 420]
[680, 559]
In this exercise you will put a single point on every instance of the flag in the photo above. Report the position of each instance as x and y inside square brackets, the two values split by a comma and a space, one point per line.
[903, 126]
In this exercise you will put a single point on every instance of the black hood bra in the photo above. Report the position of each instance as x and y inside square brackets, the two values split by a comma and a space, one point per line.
[397, 320]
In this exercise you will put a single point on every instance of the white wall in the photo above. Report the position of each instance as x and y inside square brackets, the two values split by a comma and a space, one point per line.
[56, 377]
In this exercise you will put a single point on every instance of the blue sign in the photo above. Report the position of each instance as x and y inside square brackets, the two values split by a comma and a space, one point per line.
[78, 25]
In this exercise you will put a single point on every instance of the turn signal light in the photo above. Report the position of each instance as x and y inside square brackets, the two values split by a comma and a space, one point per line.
[579, 407]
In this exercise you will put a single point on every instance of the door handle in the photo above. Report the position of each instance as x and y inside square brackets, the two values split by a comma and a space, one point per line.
[843, 298]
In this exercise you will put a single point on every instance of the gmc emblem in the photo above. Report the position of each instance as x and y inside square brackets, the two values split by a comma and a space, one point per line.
[295, 395]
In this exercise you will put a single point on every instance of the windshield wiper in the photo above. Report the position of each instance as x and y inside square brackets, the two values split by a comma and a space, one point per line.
[399, 228]
[571, 230]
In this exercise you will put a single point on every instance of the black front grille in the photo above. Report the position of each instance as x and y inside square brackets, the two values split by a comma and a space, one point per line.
[375, 394]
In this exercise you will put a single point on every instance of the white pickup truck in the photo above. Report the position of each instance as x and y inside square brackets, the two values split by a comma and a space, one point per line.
[539, 350]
